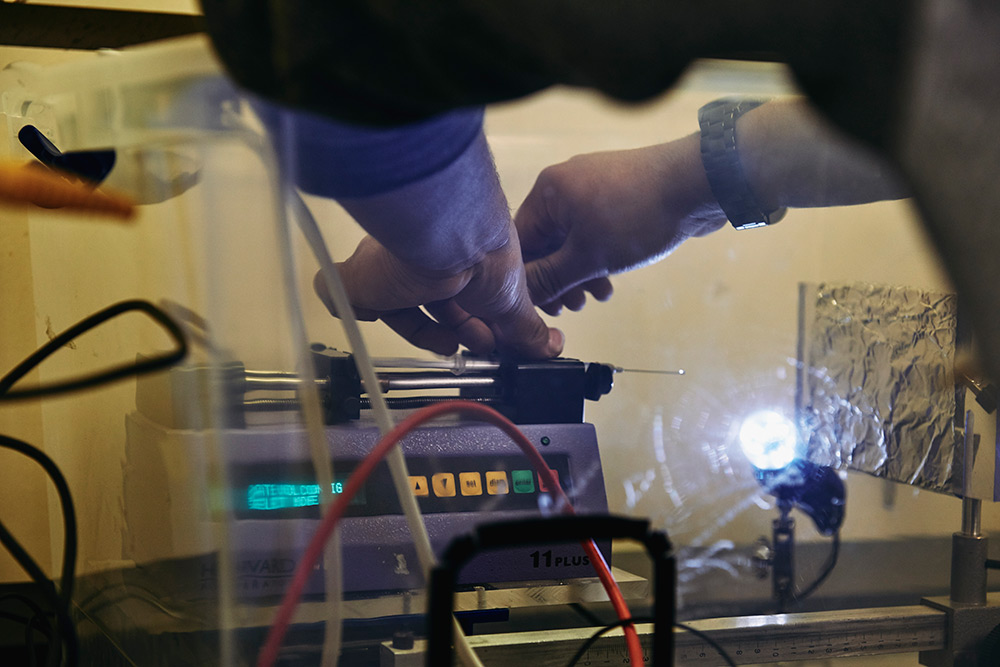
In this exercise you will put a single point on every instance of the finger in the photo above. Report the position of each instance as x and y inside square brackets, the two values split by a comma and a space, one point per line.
[522, 331]
[600, 288]
[416, 327]
[471, 331]
[43, 187]
[553, 308]
[574, 299]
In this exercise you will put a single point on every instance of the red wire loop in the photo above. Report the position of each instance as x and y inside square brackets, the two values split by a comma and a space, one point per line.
[276, 635]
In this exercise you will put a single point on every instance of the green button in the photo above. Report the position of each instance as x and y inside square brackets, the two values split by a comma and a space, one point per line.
[524, 481]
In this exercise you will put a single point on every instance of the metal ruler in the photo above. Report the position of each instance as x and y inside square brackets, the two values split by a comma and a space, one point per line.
[747, 640]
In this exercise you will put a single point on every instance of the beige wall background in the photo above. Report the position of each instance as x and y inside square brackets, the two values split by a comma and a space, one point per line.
[723, 308]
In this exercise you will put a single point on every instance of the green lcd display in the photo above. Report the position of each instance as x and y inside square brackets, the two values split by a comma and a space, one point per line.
[266, 497]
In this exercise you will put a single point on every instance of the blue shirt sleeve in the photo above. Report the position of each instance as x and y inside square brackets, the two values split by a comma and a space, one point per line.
[333, 159]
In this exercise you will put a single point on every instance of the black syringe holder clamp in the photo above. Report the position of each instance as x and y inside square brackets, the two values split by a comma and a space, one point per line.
[550, 391]
[342, 394]
[544, 392]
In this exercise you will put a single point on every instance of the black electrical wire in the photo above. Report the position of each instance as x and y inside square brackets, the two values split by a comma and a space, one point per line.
[28, 621]
[708, 640]
[68, 512]
[26, 601]
[61, 600]
[585, 613]
[48, 589]
[38, 621]
[831, 562]
[96, 379]
[29, 630]
[617, 624]
[605, 630]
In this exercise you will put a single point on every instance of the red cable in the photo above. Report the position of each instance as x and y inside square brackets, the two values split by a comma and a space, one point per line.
[276, 635]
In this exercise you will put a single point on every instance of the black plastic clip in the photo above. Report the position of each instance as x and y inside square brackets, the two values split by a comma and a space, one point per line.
[93, 166]
[540, 531]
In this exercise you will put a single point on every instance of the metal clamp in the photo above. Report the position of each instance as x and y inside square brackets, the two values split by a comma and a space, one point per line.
[540, 531]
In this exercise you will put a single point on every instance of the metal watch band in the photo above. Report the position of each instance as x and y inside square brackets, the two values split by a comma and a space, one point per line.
[723, 168]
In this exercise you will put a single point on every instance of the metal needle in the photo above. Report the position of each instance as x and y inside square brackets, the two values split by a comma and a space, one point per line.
[619, 369]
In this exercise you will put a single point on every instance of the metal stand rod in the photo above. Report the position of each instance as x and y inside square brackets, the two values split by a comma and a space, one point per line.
[969, 548]
[972, 517]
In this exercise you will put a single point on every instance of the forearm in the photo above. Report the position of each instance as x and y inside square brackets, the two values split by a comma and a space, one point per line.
[792, 157]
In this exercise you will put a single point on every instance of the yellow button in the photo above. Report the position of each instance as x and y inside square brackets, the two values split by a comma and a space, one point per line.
[443, 484]
[471, 483]
[496, 482]
[418, 484]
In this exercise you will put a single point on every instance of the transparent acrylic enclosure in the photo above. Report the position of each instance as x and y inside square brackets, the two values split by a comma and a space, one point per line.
[196, 489]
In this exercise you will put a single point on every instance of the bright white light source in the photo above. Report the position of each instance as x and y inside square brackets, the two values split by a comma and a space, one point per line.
[768, 439]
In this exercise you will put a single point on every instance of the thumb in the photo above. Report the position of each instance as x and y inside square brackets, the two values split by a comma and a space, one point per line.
[319, 286]
[539, 233]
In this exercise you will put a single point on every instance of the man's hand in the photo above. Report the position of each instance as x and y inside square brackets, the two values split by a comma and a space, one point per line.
[605, 213]
[484, 307]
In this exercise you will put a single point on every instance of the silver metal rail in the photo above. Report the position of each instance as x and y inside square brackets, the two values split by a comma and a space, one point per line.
[747, 640]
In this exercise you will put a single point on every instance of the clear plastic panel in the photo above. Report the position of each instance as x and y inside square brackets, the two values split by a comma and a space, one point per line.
[196, 488]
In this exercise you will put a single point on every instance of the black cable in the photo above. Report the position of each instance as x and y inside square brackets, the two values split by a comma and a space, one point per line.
[48, 589]
[25, 600]
[703, 636]
[61, 600]
[68, 512]
[36, 612]
[620, 623]
[29, 642]
[605, 630]
[585, 613]
[96, 379]
[831, 562]
[38, 621]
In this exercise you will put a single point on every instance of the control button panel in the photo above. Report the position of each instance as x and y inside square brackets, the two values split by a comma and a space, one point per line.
[467, 483]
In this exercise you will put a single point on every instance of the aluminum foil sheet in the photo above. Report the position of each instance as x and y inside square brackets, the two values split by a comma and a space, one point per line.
[876, 388]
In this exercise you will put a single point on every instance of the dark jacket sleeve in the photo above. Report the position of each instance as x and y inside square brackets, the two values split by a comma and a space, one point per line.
[384, 62]
[335, 159]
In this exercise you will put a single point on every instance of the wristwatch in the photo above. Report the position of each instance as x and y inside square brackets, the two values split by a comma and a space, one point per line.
[721, 160]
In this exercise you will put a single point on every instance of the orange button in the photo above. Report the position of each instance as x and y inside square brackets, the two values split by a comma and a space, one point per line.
[496, 483]
[471, 483]
[541, 482]
[418, 484]
[443, 484]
